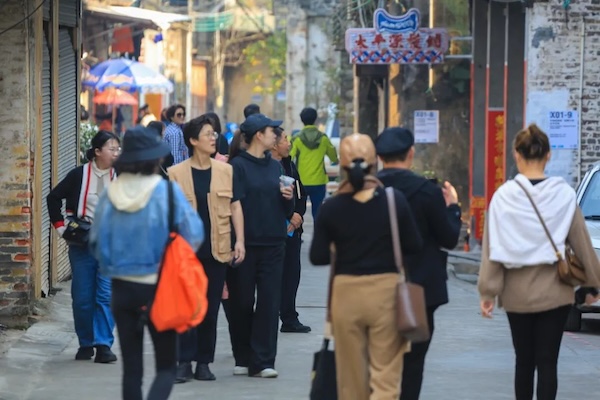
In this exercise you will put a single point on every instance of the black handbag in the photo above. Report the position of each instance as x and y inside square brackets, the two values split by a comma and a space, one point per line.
[77, 231]
[324, 382]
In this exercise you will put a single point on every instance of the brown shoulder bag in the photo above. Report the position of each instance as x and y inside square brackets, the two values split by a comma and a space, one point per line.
[570, 268]
[411, 308]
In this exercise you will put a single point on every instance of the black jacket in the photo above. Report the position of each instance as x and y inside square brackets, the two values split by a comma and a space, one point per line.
[439, 227]
[68, 189]
[265, 209]
[299, 191]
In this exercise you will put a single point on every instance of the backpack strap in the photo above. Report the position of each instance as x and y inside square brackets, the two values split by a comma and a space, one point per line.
[171, 196]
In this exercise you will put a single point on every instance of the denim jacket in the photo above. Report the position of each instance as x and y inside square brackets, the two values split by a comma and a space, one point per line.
[132, 243]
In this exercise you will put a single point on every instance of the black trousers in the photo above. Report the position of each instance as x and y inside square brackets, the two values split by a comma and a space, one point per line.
[198, 344]
[128, 298]
[254, 329]
[290, 280]
[414, 363]
[536, 339]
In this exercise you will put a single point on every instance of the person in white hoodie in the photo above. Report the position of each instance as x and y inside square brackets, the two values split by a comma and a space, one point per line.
[128, 240]
[518, 262]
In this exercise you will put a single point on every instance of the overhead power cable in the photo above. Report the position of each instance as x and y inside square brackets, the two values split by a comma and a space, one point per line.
[24, 19]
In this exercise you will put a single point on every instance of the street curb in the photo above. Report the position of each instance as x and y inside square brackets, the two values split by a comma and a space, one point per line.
[43, 340]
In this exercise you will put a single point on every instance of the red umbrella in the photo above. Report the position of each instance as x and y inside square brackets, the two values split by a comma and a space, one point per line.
[115, 96]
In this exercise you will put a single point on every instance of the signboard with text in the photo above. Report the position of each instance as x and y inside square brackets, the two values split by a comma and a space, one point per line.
[397, 40]
[563, 129]
[495, 153]
[427, 126]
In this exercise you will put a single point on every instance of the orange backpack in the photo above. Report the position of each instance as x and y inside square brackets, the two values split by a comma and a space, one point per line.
[180, 301]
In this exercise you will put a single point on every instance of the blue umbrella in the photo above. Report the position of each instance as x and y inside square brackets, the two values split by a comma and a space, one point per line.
[127, 75]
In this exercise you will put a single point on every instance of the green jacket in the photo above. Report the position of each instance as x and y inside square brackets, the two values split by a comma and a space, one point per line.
[309, 149]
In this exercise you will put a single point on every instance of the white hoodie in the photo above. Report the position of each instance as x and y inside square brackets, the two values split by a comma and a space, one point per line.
[132, 192]
[516, 235]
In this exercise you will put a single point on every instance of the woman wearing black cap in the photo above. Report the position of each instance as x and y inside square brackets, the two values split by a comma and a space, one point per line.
[90, 291]
[266, 204]
[128, 240]
[369, 349]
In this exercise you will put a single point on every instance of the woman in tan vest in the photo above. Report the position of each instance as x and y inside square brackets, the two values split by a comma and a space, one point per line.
[517, 265]
[209, 186]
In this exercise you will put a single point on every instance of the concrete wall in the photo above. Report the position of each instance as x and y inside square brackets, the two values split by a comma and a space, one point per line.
[239, 94]
[554, 51]
[313, 65]
[15, 164]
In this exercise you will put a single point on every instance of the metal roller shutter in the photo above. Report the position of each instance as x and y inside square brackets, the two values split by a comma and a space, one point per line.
[46, 168]
[68, 10]
[68, 106]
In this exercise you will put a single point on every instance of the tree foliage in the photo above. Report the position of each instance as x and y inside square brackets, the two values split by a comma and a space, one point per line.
[266, 63]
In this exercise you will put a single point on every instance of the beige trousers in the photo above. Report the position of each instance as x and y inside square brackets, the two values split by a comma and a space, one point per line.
[369, 352]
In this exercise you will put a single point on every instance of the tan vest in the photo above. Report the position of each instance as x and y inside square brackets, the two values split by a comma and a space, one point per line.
[219, 202]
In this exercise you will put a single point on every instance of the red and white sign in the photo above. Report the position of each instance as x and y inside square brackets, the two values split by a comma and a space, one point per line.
[407, 44]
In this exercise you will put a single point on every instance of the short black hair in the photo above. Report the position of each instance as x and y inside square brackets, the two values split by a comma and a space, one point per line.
[150, 167]
[172, 110]
[389, 158]
[308, 116]
[278, 131]
[192, 129]
[98, 142]
[251, 109]
[214, 121]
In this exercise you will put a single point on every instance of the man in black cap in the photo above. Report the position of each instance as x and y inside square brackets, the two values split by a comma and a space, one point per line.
[437, 214]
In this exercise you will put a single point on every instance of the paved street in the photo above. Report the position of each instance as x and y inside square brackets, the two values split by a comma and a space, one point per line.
[470, 359]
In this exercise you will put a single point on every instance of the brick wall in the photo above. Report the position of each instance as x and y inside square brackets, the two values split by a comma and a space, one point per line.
[15, 169]
[553, 76]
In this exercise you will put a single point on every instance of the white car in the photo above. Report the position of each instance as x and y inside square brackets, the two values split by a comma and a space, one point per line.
[588, 198]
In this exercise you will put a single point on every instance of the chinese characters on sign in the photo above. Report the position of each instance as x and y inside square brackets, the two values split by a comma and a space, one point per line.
[427, 126]
[396, 40]
[478, 208]
[563, 129]
[495, 167]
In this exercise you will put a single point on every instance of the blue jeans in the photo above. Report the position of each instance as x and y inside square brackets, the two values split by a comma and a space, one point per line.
[317, 195]
[90, 292]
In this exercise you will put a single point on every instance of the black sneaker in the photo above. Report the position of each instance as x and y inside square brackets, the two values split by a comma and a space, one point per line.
[203, 373]
[104, 355]
[295, 328]
[84, 353]
[184, 372]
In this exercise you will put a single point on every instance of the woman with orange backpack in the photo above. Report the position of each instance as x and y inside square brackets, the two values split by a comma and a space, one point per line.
[128, 238]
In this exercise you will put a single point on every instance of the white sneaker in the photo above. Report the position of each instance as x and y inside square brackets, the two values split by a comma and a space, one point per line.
[267, 373]
[237, 370]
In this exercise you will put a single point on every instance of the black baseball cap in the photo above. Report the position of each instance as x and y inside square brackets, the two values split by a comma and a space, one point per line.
[395, 140]
[258, 122]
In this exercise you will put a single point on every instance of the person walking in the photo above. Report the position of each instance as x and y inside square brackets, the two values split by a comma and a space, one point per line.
[266, 204]
[133, 215]
[518, 262]
[309, 149]
[90, 290]
[167, 161]
[174, 133]
[369, 349]
[209, 185]
[291, 265]
[438, 217]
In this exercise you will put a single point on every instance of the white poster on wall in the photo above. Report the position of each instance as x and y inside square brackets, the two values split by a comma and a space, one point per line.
[427, 126]
[563, 129]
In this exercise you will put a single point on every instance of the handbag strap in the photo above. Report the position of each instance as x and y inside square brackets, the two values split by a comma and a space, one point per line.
[171, 217]
[537, 211]
[391, 202]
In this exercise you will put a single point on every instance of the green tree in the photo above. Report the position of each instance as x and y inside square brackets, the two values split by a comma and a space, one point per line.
[266, 63]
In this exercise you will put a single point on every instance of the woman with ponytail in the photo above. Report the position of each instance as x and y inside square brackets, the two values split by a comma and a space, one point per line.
[81, 189]
[369, 349]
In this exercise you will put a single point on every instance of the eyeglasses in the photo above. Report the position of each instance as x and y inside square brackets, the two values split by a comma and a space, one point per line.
[180, 115]
[209, 135]
[114, 150]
